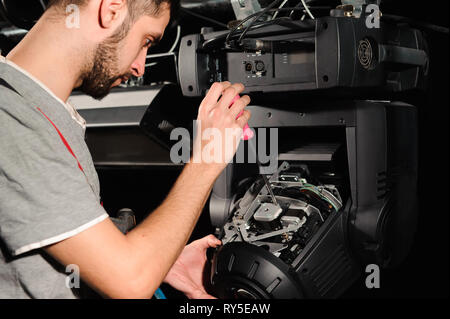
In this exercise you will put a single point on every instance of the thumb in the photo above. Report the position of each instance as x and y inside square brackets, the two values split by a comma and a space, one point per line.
[201, 295]
[213, 241]
[207, 242]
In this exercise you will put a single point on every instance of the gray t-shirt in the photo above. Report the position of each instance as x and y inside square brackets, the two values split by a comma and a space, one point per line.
[49, 189]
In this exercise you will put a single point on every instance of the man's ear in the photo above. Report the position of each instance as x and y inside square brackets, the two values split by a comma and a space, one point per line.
[110, 12]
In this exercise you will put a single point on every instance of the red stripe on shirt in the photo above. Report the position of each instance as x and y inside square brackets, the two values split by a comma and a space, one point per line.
[62, 139]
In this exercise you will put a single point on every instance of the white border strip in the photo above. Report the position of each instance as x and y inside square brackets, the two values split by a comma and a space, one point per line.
[61, 237]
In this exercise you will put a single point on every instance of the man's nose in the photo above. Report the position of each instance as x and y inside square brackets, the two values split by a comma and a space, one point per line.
[138, 66]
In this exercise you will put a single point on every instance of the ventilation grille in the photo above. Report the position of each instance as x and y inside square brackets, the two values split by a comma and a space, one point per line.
[382, 185]
[331, 270]
[386, 181]
[366, 54]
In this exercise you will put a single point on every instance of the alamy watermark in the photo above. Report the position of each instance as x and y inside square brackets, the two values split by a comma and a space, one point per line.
[373, 16]
[373, 277]
[73, 277]
[73, 16]
[372, 19]
[223, 147]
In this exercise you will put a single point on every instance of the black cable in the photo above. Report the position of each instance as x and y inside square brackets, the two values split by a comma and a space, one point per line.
[223, 25]
[271, 10]
[209, 42]
[280, 21]
[264, 11]
[298, 5]
[239, 25]
[306, 25]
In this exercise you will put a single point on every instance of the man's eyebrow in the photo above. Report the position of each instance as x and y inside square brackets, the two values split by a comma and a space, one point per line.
[157, 37]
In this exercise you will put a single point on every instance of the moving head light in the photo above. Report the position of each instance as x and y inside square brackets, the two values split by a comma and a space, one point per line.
[346, 184]
[290, 55]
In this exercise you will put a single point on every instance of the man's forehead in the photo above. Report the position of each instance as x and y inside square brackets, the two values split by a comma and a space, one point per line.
[156, 25]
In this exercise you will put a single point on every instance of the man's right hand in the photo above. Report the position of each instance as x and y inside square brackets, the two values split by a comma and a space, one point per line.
[134, 265]
[219, 129]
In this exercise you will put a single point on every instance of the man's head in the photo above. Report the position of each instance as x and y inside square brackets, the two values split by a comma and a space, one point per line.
[118, 34]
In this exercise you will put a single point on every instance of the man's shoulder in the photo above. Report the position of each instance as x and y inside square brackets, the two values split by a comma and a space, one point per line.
[10, 98]
[14, 106]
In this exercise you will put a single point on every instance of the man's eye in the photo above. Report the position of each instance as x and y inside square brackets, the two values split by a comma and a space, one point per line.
[148, 43]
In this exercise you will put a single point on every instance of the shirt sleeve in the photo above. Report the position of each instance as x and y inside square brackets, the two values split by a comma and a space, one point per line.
[44, 196]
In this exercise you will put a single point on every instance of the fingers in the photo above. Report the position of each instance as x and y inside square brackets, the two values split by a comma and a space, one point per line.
[207, 296]
[208, 241]
[213, 95]
[239, 106]
[201, 294]
[229, 94]
[212, 241]
[244, 118]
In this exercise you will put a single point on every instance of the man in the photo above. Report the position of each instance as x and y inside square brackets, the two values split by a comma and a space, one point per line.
[50, 211]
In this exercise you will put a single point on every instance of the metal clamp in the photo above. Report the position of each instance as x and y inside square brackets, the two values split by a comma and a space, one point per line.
[243, 8]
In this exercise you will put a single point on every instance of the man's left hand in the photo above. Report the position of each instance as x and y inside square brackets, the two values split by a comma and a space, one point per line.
[186, 275]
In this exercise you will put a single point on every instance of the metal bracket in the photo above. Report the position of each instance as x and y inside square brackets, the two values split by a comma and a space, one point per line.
[357, 6]
[402, 55]
[243, 8]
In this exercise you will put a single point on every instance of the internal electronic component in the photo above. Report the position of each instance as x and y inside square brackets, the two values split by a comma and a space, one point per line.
[283, 228]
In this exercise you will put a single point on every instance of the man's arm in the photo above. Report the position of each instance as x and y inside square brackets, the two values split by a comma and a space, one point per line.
[134, 265]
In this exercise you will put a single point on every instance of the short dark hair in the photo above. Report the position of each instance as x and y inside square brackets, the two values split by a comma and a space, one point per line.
[136, 8]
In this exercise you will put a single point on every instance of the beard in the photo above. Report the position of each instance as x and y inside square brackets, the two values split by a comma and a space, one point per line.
[103, 72]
